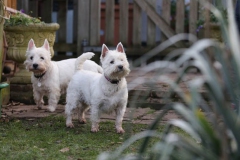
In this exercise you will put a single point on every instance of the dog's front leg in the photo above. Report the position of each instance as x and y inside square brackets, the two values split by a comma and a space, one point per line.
[38, 98]
[53, 99]
[95, 118]
[119, 117]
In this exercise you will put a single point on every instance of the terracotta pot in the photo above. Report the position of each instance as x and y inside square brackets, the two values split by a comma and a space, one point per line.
[18, 38]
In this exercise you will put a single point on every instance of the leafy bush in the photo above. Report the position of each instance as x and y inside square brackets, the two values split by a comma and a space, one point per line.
[213, 18]
[211, 120]
[21, 19]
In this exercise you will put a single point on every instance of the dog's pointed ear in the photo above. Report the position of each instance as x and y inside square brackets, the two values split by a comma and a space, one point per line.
[31, 45]
[120, 48]
[104, 50]
[46, 45]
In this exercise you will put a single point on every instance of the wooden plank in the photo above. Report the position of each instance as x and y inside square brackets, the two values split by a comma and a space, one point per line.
[76, 12]
[166, 14]
[131, 51]
[123, 29]
[193, 17]
[109, 22]
[180, 16]
[46, 11]
[95, 22]
[64, 47]
[136, 24]
[62, 19]
[207, 21]
[1, 40]
[158, 20]
[11, 3]
[14, 4]
[151, 28]
[33, 8]
[82, 23]
[23, 4]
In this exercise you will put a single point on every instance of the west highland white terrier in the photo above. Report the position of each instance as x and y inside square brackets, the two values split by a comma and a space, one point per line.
[51, 78]
[105, 92]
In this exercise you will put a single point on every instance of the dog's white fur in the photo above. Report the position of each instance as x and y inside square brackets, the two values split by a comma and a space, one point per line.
[52, 77]
[102, 92]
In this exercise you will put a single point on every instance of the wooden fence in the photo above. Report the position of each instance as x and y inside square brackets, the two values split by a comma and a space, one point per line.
[95, 22]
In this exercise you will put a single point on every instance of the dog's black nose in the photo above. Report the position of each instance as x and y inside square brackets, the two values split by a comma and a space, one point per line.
[35, 66]
[120, 67]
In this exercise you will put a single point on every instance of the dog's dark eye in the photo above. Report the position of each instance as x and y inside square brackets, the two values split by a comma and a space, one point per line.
[42, 58]
[31, 57]
[112, 62]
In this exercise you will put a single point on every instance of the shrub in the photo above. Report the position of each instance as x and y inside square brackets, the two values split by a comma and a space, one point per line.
[212, 122]
[21, 19]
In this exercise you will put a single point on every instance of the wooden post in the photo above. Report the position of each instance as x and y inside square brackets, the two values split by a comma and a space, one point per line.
[136, 24]
[62, 19]
[47, 11]
[151, 30]
[95, 22]
[166, 10]
[207, 22]
[23, 4]
[32, 8]
[109, 23]
[2, 20]
[11, 3]
[82, 22]
[123, 29]
[180, 16]
[193, 17]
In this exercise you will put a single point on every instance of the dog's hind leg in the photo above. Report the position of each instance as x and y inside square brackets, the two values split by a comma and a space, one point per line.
[72, 103]
[81, 114]
[68, 111]
[95, 118]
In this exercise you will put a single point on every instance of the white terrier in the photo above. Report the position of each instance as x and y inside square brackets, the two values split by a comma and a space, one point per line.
[103, 92]
[49, 77]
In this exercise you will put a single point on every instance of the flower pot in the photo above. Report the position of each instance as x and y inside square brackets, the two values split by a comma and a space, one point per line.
[18, 38]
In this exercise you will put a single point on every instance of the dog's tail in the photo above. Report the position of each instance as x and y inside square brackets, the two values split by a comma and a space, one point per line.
[81, 59]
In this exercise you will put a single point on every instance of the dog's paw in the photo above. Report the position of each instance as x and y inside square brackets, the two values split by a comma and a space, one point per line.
[120, 130]
[51, 108]
[82, 121]
[70, 125]
[94, 129]
[39, 107]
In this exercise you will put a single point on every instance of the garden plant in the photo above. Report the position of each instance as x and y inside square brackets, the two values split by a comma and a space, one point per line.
[211, 119]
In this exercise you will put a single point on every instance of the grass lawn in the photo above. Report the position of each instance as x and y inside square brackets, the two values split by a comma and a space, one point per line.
[48, 138]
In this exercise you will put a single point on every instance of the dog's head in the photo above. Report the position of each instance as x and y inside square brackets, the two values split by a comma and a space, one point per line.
[114, 62]
[38, 59]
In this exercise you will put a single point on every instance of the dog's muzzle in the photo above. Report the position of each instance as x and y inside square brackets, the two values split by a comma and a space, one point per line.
[35, 65]
[39, 75]
[120, 67]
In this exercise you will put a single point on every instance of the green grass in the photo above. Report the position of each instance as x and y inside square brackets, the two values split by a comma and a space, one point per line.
[45, 138]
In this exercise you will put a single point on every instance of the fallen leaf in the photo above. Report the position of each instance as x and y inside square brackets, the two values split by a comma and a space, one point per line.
[64, 150]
